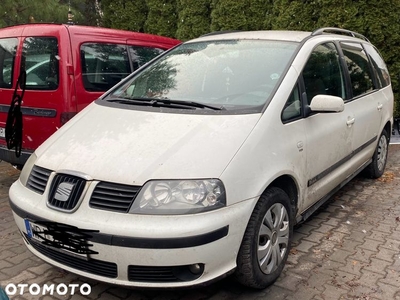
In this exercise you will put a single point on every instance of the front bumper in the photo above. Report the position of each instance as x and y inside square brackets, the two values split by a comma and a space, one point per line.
[140, 250]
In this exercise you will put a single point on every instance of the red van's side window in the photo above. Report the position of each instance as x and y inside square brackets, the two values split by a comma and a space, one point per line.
[8, 48]
[103, 65]
[41, 63]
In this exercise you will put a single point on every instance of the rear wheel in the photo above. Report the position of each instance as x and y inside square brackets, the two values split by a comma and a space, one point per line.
[377, 167]
[266, 242]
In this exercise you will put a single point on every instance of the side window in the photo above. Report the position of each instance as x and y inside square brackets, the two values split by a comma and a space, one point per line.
[141, 55]
[8, 48]
[292, 109]
[379, 66]
[322, 73]
[103, 65]
[41, 63]
[359, 69]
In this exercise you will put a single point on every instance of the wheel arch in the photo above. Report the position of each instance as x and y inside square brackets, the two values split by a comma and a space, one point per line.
[388, 128]
[288, 184]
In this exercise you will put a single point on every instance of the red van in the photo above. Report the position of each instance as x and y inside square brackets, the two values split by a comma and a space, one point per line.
[67, 67]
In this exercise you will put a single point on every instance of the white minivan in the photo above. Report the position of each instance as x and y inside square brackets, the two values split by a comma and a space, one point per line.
[199, 164]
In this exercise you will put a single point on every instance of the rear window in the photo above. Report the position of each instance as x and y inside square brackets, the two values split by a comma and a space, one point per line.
[8, 48]
[41, 63]
[104, 65]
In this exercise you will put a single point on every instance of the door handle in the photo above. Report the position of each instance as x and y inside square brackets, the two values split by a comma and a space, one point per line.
[380, 105]
[350, 121]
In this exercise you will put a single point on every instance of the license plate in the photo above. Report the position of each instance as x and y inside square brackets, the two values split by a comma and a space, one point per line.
[2, 132]
[60, 237]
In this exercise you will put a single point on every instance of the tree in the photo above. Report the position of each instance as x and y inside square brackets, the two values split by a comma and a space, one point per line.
[162, 17]
[258, 14]
[294, 15]
[193, 18]
[229, 15]
[14, 12]
[86, 12]
[125, 14]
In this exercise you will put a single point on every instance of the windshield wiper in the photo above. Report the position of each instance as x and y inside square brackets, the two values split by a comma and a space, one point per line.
[189, 103]
[165, 102]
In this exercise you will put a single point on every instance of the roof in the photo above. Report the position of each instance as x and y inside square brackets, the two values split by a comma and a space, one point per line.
[279, 35]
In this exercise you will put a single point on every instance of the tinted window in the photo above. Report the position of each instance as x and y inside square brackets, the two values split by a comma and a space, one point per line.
[141, 55]
[359, 68]
[323, 74]
[8, 48]
[41, 63]
[103, 65]
[235, 74]
[379, 66]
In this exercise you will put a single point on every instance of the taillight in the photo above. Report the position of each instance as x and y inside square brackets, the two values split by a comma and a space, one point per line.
[66, 116]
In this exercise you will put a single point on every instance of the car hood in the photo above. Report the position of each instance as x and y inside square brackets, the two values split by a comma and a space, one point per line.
[132, 146]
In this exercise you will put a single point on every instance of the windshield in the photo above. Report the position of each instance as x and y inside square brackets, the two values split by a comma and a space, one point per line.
[231, 74]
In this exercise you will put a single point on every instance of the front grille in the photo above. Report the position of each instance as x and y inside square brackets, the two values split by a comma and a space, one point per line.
[93, 266]
[37, 180]
[114, 197]
[71, 195]
[163, 274]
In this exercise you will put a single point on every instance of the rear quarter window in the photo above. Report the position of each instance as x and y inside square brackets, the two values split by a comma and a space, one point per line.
[379, 66]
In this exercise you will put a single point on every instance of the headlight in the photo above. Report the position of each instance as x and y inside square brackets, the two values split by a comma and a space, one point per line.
[26, 171]
[177, 197]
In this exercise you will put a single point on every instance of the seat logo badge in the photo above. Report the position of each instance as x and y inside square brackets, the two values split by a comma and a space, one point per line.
[63, 192]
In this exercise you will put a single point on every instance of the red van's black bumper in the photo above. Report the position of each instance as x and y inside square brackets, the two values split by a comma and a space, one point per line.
[9, 156]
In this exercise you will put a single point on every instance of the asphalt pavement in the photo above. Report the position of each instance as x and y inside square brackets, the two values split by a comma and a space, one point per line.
[349, 249]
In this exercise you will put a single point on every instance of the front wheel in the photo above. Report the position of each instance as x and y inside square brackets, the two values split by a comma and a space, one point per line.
[377, 167]
[266, 242]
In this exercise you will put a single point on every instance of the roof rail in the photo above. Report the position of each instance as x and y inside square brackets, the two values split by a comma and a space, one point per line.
[334, 30]
[220, 32]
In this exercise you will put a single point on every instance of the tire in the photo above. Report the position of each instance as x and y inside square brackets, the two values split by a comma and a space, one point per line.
[377, 167]
[265, 245]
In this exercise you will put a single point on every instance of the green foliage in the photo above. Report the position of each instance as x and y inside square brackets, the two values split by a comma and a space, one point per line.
[229, 15]
[258, 14]
[193, 18]
[295, 15]
[125, 14]
[341, 14]
[162, 17]
[24, 11]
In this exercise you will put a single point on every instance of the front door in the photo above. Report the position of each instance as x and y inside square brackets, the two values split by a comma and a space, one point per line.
[328, 135]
